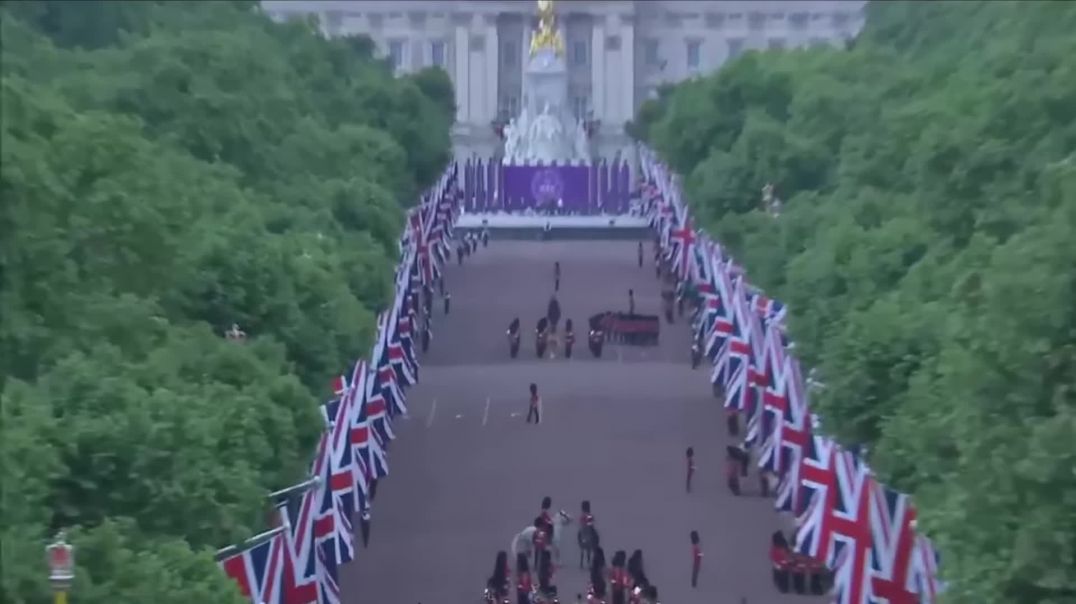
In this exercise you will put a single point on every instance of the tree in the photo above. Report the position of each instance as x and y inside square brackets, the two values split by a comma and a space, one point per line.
[925, 254]
[168, 171]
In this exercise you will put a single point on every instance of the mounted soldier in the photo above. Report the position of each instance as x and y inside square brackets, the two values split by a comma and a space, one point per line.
[541, 336]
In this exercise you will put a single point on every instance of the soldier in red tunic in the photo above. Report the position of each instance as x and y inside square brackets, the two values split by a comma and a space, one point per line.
[524, 580]
[540, 540]
[696, 558]
[619, 581]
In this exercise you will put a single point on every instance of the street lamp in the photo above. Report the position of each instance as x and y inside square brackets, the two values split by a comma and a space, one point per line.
[61, 559]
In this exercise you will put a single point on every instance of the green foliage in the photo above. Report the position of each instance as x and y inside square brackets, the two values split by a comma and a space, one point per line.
[926, 252]
[168, 170]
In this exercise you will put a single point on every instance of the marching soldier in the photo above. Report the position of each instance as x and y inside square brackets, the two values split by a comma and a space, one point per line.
[640, 254]
[556, 276]
[569, 339]
[485, 237]
[448, 301]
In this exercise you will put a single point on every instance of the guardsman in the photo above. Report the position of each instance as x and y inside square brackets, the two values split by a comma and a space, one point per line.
[364, 526]
[640, 254]
[485, 236]
[690, 466]
[553, 313]
[513, 338]
[631, 302]
[569, 338]
[732, 469]
[534, 407]
[427, 333]
[448, 301]
[539, 540]
[556, 276]
[696, 352]
[696, 558]
[541, 334]
[459, 253]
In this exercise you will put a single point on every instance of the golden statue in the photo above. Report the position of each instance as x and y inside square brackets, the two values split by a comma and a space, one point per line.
[547, 35]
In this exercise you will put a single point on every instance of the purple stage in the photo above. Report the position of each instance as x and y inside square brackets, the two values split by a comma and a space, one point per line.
[604, 187]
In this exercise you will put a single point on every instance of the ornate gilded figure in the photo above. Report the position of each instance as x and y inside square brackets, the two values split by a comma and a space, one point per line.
[547, 35]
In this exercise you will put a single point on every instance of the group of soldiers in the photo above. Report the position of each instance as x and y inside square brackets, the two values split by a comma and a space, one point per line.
[546, 333]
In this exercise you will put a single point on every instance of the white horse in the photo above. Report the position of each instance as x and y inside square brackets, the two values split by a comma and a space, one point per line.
[524, 541]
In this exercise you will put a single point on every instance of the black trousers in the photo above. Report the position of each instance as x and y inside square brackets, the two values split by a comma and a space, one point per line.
[695, 574]
[533, 411]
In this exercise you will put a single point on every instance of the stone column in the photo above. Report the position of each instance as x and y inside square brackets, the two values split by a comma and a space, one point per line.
[626, 72]
[461, 47]
[492, 50]
[597, 69]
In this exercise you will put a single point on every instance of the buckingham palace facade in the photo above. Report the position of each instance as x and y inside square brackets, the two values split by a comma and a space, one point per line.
[618, 51]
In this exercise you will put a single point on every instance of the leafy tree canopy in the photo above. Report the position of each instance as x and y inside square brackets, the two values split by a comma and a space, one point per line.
[168, 170]
[926, 251]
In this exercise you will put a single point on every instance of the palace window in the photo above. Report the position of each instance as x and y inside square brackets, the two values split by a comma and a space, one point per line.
[694, 54]
[478, 43]
[715, 20]
[756, 20]
[437, 53]
[651, 52]
[799, 20]
[818, 42]
[396, 53]
[579, 53]
[735, 47]
[776, 43]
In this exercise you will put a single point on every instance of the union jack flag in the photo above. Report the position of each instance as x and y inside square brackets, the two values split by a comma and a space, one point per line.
[794, 432]
[421, 244]
[369, 449]
[893, 544]
[844, 533]
[817, 478]
[737, 353]
[683, 239]
[923, 579]
[258, 570]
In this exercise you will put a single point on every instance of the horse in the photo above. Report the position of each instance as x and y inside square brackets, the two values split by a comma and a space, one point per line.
[588, 539]
[524, 540]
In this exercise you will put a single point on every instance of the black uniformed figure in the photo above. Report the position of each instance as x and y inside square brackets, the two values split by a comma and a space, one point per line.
[427, 333]
[364, 525]
[569, 338]
[556, 276]
[485, 237]
[373, 488]
[459, 253]
[448, 301]
[474, 243]
[513, 338]
[631, 302]
[696, 353]
[640, 254]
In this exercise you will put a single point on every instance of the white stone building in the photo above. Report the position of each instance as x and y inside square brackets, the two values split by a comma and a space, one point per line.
[618, 51]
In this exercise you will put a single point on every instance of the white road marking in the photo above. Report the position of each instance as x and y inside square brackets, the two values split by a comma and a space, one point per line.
[459, 415]
[515, 415]
[433, 413]
[485, 414]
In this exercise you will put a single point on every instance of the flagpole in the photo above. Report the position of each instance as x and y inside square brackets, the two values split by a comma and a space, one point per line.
[254, 541]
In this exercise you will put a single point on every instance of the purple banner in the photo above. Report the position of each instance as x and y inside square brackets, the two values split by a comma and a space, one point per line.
[601, 187]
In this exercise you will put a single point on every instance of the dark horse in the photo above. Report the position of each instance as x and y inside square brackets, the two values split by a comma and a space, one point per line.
[541, 337]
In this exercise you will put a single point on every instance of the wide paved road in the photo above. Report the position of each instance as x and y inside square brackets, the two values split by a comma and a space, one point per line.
[468, 473]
